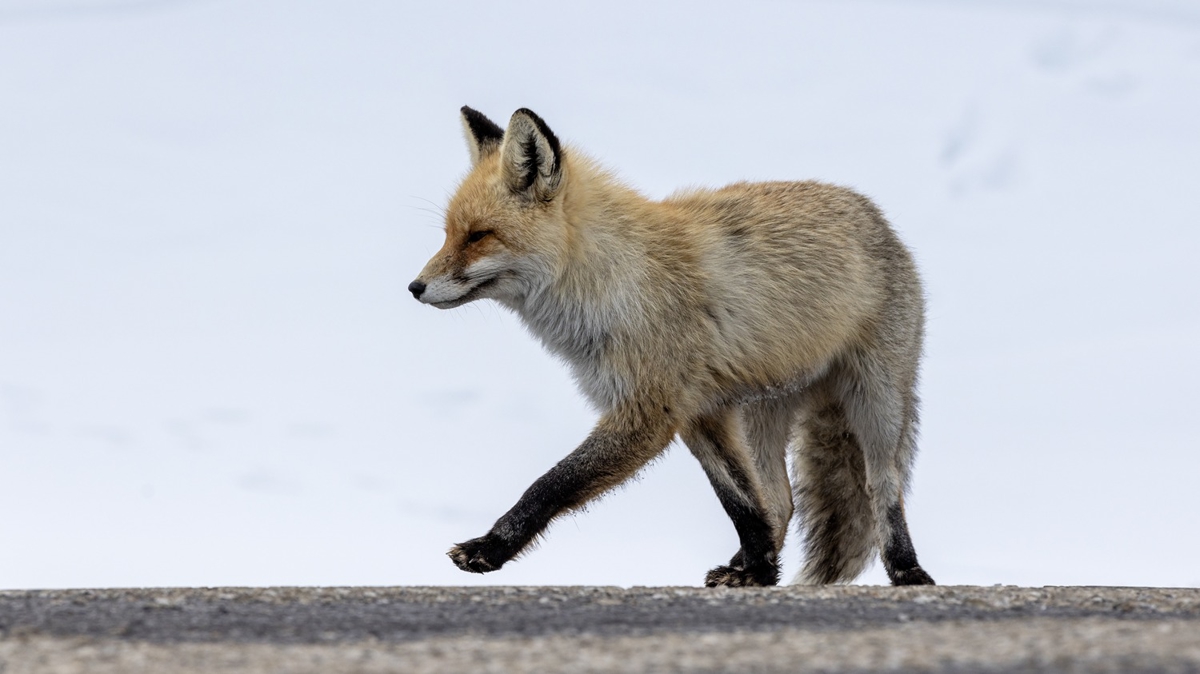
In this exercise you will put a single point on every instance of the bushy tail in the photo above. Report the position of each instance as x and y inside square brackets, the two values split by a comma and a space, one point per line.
[833, 509]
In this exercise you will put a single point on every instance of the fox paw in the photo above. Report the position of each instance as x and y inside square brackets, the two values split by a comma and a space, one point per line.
[736, 576]
[480, 555]
[913, 576]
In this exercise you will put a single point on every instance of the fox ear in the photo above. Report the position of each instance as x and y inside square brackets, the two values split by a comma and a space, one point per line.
[483, 135]
[531, 157]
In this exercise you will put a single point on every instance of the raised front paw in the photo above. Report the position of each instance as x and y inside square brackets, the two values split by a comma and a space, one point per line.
[761, 575]
[480, 555]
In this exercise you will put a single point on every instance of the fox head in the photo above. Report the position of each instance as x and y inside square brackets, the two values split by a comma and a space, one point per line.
[505, 228]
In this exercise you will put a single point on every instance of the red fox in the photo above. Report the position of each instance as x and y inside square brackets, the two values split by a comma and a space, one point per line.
[745, 320]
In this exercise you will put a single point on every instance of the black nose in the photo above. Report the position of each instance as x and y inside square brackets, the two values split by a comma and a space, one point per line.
[416, 288]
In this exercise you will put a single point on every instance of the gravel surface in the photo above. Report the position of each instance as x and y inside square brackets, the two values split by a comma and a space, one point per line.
[602, 629]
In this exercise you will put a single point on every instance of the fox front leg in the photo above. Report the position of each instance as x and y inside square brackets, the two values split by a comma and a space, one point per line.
[618, 447]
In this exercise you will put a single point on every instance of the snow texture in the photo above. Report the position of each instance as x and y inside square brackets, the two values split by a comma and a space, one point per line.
[211, 372]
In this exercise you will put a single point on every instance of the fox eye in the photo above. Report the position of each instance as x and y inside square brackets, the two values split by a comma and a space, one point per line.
[478, 235]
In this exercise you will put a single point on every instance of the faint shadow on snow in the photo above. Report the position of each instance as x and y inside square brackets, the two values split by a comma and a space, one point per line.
[960, 137]
[265, 481]
[1112, 85]
[973, 162]
[994, 172]
[187, 435]
[22, 406]
[114, 437]
[1088, 54]
[1070, 47]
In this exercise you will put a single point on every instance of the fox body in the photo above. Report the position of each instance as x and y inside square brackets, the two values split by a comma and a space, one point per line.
[745, 320]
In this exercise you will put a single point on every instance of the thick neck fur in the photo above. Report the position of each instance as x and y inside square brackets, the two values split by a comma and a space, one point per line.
[593, 291]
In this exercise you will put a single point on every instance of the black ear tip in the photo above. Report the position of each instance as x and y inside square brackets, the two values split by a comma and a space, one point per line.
[529, 113]
[484, 129]
[541, 127]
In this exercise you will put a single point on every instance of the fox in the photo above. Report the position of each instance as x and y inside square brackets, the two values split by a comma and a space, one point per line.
[750, 321]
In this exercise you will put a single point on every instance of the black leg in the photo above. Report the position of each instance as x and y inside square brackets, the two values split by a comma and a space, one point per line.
[731, 472]
[621, 444]
[899, 557]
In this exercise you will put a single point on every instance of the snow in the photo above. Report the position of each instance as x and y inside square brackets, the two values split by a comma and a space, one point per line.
[211, 372]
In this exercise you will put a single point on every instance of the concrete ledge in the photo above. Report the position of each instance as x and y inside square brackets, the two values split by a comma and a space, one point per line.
[587, 629]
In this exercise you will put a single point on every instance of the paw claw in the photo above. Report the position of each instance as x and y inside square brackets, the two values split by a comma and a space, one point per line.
[736, 576]
[478, 555]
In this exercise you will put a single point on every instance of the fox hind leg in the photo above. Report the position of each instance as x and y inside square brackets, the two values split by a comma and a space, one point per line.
[882, 414]
[715, 441]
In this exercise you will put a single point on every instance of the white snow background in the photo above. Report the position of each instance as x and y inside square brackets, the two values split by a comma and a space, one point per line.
[211, 372]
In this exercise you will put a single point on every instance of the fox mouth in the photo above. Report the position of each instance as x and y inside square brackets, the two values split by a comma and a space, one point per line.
[472, 294]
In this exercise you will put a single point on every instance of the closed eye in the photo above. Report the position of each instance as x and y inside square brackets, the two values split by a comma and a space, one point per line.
[478, 235]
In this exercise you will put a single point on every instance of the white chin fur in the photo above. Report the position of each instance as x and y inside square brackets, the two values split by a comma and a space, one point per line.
[450, 294]
[441, 291]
